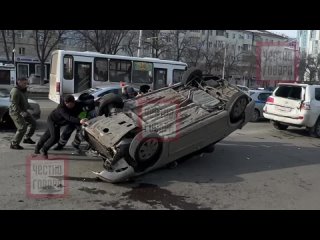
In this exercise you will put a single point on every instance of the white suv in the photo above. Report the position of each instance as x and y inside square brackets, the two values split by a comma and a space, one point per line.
[294, 105]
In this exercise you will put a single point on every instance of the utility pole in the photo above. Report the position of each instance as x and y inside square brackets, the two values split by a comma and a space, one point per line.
[139, 44]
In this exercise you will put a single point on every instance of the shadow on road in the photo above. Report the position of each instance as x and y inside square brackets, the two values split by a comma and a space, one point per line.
[232, 159]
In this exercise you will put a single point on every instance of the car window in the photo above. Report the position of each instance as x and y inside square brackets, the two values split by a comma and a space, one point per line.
[290, 92]
[317, 94]
[263, 96]
[115, 91]
[4, 93]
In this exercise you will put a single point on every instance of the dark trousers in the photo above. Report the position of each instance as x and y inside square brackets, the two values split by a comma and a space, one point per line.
[66, 134]
[50, 137]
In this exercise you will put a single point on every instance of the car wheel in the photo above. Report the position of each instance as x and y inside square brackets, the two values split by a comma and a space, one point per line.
[255, 116]
[192, 75]
[7, 122]
[279, 126]
[145, 149]
[108, 101]
[236, 106]
[315, 130]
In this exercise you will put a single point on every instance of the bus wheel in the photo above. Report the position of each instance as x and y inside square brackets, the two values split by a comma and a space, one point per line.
[108, 101]
[192, 75]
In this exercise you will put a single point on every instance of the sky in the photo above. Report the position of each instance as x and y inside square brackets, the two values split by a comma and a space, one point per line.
[290, 33]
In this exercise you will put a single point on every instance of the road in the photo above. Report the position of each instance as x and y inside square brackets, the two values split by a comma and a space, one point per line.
[257, 167]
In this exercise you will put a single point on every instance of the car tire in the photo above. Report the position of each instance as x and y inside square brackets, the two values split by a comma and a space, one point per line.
[145, 149]
[236, 106]
[255, 116]
[7, 122]
[108, 100]
[192, 74]
[279, 126]
[315, 130]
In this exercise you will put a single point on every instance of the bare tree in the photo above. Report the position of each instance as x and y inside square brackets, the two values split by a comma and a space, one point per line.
[158, 42]
[180, 43]
[5, 46]
[6, 42]
[132, 42]
[105, 41]
[46, 41]
[194, 54]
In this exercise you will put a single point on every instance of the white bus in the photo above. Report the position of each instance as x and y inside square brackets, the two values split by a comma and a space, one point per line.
[73, 72]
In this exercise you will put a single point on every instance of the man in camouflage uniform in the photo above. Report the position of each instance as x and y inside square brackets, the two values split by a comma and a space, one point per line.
[18, 111]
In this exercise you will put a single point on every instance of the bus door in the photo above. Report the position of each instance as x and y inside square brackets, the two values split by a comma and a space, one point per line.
[82, 75]
[160, 78]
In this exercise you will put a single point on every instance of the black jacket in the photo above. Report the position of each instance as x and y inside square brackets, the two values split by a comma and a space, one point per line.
[63, 115]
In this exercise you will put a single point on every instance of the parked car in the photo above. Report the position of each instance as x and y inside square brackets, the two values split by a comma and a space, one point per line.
[99, 92]
[260, 98]
[162, 126]
[35, 79]
[294, 104]
[243, 88]
[5, 119]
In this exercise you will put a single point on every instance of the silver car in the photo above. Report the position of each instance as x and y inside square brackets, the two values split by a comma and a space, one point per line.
[5, 119]
[165, 125]
[260, 98]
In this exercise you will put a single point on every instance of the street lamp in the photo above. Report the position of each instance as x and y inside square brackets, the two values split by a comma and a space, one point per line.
[224, 60]
[13, 56]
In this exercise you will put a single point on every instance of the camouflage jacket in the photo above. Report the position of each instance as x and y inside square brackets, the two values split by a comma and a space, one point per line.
[19, 101]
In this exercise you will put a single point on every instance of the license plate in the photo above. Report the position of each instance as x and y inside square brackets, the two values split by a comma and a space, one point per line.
[283, 109]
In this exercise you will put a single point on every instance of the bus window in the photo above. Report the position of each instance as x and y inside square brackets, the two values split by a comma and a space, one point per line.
[101, 69]
[160, 78]
[120, 70]
[68, 67]
[82, 80]
[142, 72]
[177, 76]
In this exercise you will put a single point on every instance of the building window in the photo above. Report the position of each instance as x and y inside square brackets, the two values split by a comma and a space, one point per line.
[227, 35]
[203, 32]
[210, 32]
[8, 33]
[239, 48]
[22, 51]
[220, 32]
[37, 71]
[23, 70]
[241, 36]
[20, 34]
[210, 44]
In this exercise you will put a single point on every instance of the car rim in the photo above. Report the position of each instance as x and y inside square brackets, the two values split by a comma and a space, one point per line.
[148, 149]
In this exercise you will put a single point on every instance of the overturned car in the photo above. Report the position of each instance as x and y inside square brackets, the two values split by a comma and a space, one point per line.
[142, 134]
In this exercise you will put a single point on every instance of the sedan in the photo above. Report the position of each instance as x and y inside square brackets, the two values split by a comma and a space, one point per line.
[162, 126]
[99, 92]
[260, 98]
[5, 119]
